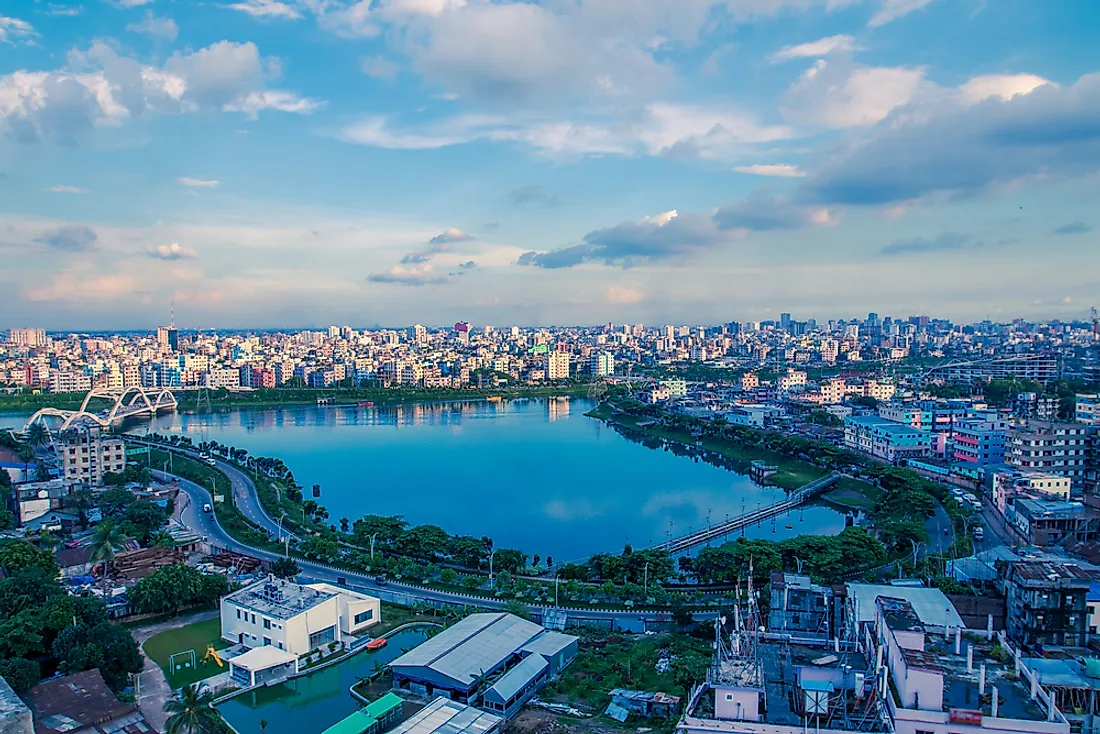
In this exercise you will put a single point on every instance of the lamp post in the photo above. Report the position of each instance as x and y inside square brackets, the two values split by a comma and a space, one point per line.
[372, 537]
[492, 578]
[645, 587]
[555, 589]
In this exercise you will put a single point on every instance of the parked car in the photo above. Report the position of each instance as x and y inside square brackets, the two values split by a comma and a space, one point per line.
[207, 508]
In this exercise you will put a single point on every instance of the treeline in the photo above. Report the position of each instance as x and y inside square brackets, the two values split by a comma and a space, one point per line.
[823, 558]
[176, 587]
[43, 630]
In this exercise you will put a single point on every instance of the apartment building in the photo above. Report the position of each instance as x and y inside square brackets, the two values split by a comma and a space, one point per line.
[1087, 408]
[87, 454]
[1047, 603]
[1062, 449]
[979, 442]
[557, 365]
[602, 364]
[885, 439]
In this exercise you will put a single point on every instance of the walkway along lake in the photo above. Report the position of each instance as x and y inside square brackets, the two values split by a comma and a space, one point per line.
[536, 474]
[315, 701]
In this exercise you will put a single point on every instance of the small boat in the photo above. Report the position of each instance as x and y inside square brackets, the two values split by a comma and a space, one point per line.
[789, 527]
[494, 398]
[366, 403]
[377, 643]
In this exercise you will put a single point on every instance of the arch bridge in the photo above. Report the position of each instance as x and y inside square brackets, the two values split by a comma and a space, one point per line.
[126, 403]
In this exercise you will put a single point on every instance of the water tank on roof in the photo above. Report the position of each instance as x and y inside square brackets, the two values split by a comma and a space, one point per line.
[1092, 667]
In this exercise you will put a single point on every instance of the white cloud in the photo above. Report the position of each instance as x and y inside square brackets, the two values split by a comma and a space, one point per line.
[132, 3]
[266, 9]
[658, 129]
[173, 251]
[154, 26]
[838, 94]
[197, 183]
[63, 189]
[780, 170]
[891, 10]
[13, 29]
[1002, 86]
[100, 87]
[623, 295]
[379, 68]
[816, 49]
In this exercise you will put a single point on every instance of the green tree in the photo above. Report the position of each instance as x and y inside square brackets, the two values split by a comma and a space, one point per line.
[7, 519]
[424, 541]
[106, 539]
[192, 712]
[21, 674]
[16, 555]
[105, 646]
[142, 519]
[114, 501]
[38, 435]
[285, 568]
[169, 589]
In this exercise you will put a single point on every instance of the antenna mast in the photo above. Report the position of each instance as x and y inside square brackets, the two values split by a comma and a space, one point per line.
[1095, 327]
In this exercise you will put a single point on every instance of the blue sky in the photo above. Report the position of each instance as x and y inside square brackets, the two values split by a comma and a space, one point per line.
[266, 163]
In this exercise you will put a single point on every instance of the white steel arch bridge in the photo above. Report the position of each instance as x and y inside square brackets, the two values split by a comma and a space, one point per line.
[126, 403]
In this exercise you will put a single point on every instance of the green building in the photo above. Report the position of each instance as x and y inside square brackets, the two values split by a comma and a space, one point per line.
[375, 718]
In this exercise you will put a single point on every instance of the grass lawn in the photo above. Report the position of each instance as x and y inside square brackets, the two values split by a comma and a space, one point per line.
[854, 494]
[195, 637]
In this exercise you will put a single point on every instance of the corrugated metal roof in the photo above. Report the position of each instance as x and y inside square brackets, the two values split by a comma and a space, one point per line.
[549, 643]
[932, 607]
[515, 679]
[473, 647]
[443, 716]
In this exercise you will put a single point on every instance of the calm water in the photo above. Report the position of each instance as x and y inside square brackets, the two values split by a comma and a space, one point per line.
[536, 475]
[316, 701]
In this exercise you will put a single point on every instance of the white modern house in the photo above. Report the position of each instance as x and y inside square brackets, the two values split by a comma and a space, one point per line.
[295, 618]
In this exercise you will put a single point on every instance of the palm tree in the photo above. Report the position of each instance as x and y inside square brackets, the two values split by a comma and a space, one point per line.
[190, 712]
[37, 435]
[263, 725]
[106, 539]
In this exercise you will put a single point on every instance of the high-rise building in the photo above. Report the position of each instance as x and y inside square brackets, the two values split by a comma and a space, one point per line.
[602, 364]
[29, 338]
[462, 331]
[87, 454]
[418, 334]
[557, 365]
[168, 336]
[784, 321]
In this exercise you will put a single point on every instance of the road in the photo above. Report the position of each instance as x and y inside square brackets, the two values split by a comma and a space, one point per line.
[941, 534]
[191, 515]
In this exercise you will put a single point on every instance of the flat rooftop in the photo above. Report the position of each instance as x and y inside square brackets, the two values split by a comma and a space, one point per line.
[278, 598]
[960, 686]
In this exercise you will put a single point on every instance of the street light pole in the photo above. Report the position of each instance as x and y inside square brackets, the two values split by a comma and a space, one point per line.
[645, 588]
[492, 578]
[372, 537]
[555, 589]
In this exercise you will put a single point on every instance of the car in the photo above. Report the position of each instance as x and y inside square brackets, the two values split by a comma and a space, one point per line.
[207, 508]
[210, 460]
[381, 580]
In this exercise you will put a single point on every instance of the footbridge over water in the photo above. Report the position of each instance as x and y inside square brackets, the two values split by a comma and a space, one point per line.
[718, 530]
[123, 404]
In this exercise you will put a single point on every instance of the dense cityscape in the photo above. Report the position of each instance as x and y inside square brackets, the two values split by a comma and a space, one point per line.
[966, 459]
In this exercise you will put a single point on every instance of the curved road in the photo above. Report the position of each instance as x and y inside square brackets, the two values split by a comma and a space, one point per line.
[191, 515]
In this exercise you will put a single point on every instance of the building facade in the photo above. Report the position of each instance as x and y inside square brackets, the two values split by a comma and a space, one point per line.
[87, 454]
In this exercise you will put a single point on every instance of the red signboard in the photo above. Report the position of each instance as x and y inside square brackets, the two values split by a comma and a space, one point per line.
[965, 716]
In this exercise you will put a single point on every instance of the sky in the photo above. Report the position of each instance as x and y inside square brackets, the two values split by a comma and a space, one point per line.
[297, 163]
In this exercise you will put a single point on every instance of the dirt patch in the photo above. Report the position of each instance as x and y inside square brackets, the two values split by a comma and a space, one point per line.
[538, 721]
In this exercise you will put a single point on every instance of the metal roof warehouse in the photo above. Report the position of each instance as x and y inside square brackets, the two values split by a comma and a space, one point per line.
[478, 649]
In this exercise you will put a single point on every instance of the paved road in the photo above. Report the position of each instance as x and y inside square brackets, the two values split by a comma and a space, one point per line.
[191, 515]
[941, 534]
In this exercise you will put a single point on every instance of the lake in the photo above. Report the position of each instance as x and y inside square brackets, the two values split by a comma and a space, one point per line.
[537, 475]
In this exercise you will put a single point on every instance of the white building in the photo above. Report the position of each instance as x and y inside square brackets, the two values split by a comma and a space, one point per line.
[602, 364]
[676, 388]
[295, 618]
[557, 365]
[1088, 408]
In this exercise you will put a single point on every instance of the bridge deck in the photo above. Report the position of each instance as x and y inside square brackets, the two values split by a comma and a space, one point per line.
[707, 534]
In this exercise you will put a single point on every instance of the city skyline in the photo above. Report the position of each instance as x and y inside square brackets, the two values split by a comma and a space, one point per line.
[271, 162]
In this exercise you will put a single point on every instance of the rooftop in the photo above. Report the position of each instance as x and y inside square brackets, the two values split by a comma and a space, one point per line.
[479, 644]
[78, 701]
[279, 598]
[443, 716]
[931, 606]
[1050, 509]
[960, 686]
[1048, 572]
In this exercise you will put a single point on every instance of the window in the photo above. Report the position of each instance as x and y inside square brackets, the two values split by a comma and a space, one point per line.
[267, 641]
[253, 619]
[267, 623]
[323, 637]
[238, 614]
[364, 616]
[729, 696]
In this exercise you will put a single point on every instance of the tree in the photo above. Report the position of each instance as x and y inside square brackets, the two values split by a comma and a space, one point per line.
[7, 519]
[142, 519]
[343, 525]
[285, 568]
[192, 712]
[38, 435]
[172, 588]
[114, 501]
[103, 645]
[15, 555]
[106, 539]
[509, 559]
[385, 529]
[320, 549]
[424, 541]
[21, 675]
